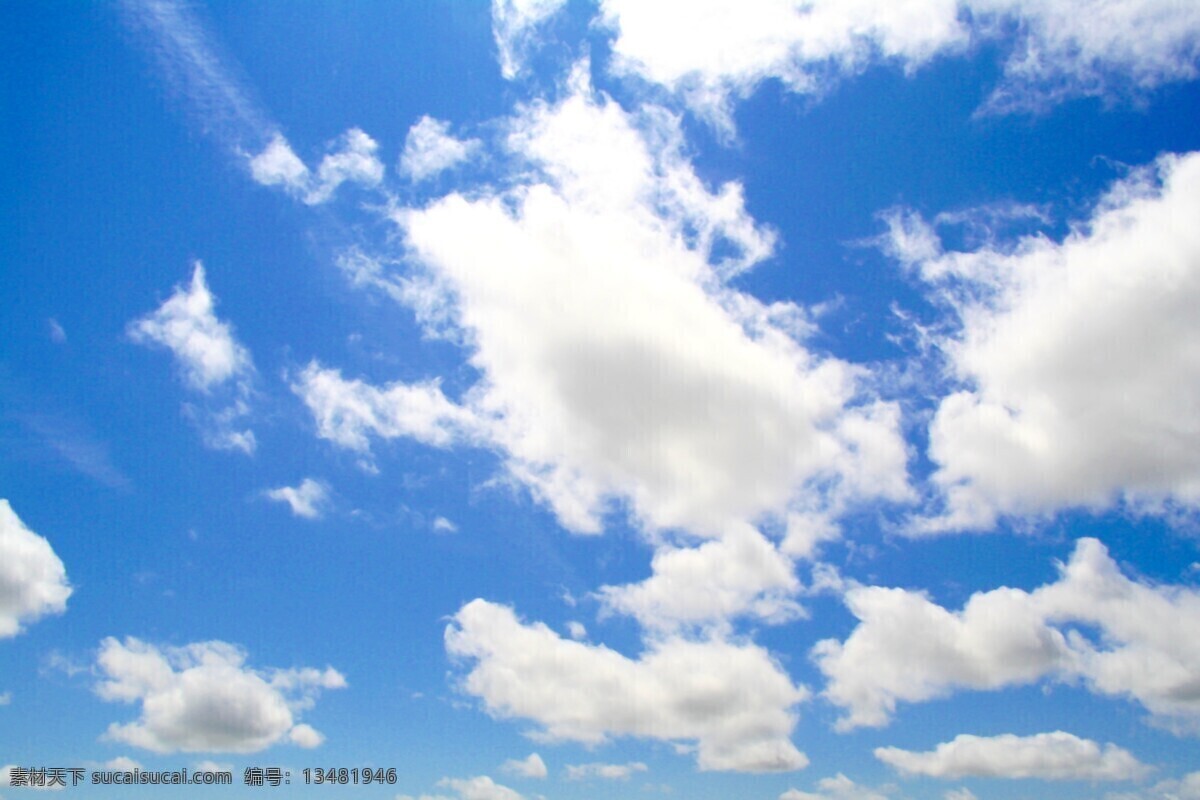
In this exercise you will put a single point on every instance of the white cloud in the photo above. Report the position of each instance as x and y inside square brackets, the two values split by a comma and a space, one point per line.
[1185, 788]
[1047, 756]
[347, 411]
[731, 699]
[609, 772]
[353, 159]
[577, 630]
[207, 765]
[962, 793]
[1057, 50]
[203, 346]
[278, 165]
[907, 648]
[33, 580]
[726, 49]
[1062, 52]
[209, 358]
[430, 149]
[514, 26]
[836, 788]
[202, 697]
[480, 788]
[5, 698]
[123, 763]
[740, 574]
[617, 366]
[443, 525]
[353, 162]
[307, 500]
[306, 736]
[1076, 360]
[531, 767]
[58, 334]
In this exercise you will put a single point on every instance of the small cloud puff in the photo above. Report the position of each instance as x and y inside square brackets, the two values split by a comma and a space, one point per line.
[308, 500]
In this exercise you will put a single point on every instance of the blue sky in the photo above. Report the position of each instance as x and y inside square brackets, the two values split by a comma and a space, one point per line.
[600, 400]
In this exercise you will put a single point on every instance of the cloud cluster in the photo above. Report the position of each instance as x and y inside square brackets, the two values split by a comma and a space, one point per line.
[731, 699]
[208, 356]
[202, 697]
[352, 159]
[1047, 756]
[908, 648]
[1080, 384]
[620, 372]
[33, 580]
[617, 366]
[724, 52]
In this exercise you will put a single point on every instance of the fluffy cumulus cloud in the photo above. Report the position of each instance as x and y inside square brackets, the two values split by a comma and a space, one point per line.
[278, 165]
[620, 372]
[732, 700]
[209, 358]
[308, 500]
[724, 51]
[740, 574]
[838, 787]
[514, 25]
[33, 580]
[430, 149]
[908, 648]
[1048, 756]
[531, 767]
[187, 325]
[352, 159]
[202, 697]
[610, 772]
[1080, 383]
[616, 363]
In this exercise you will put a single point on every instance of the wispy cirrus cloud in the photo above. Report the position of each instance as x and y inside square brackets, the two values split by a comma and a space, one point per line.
[195, 69]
